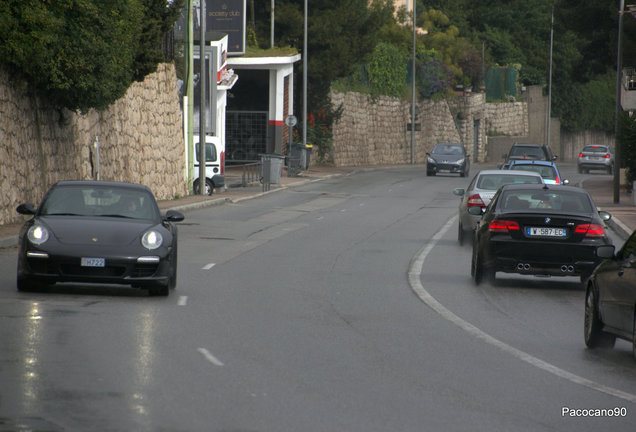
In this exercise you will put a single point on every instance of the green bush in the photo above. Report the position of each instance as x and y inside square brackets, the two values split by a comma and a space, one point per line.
[82, 54]
[387, 70]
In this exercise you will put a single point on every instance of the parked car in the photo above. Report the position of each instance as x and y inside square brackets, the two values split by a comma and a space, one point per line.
[596, 157]
[448, 158]
[548, 170]
[610, 297]
[538, 230]
[214, 164]
[521, 151]
[481, 190]
[98, 232]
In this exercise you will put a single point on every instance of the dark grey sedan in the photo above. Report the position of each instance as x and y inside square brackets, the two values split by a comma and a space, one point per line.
[610, 298]
[448, 158]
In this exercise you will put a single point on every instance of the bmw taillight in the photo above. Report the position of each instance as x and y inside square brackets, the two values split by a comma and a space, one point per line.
[606, 156]
[475, 201]
[580, 154]
[503, 226]
[590, 230]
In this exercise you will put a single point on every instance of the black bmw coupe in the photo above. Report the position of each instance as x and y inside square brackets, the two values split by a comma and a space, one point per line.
[98, 232]
[545, 229]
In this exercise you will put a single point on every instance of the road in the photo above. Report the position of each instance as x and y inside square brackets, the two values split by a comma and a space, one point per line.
[340, 305]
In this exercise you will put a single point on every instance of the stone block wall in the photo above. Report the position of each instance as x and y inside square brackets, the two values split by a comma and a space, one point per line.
[509, 118]
[374, 132]
[140, 141]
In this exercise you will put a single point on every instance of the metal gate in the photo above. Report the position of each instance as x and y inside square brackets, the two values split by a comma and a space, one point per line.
[245, 135]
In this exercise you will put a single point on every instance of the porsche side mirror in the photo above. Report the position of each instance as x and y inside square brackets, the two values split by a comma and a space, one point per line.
[173, 216]
[26, 209]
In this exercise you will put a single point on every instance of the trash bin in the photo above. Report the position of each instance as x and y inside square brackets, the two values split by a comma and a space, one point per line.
[271, 167]
[308, 149]
[299, 153]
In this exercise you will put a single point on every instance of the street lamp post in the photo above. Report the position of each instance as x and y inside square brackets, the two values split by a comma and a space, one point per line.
[305, 79]
[413, 88]
[619, 66]
[550, 78]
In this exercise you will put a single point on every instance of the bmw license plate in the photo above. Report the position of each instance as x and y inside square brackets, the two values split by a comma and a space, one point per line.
[545, 232]
[93, 262]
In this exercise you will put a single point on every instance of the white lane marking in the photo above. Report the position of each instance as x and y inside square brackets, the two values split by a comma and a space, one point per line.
[209, 357]
[415, 271]
[183, 300]
[208, 266]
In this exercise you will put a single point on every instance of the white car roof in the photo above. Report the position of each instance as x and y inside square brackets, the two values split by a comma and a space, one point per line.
[508, 172]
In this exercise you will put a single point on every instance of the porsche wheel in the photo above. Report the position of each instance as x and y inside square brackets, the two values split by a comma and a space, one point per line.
[26, 284]
[172, 284]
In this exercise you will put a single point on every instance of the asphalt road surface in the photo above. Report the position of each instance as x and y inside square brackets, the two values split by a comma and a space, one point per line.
[340, 305]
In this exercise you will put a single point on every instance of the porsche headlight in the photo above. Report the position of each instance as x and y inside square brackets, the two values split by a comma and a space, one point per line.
[152, 240]
[37, 234]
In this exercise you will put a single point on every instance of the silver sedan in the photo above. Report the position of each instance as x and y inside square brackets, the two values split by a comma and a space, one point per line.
[596, 157]
[481, 190]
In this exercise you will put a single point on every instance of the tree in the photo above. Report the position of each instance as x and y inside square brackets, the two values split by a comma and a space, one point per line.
[82, 54]
[341, 34]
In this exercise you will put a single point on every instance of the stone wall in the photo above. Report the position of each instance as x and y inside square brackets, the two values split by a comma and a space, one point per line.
[509, 118]
[374, 132]
[140, 141]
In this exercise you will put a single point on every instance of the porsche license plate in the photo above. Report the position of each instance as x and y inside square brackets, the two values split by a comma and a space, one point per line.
[93, 262]
[545, 232]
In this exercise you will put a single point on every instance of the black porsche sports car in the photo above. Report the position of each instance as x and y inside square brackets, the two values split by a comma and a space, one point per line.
[98, 232]
[538, 230]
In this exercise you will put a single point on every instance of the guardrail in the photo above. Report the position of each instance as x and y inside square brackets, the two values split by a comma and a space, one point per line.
[250, 170]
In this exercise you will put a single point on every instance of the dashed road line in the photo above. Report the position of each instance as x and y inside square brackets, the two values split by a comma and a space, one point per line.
[208, 266]
[209, 357]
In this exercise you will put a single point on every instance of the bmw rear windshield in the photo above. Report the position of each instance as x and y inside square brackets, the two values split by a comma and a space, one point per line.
[540, 200]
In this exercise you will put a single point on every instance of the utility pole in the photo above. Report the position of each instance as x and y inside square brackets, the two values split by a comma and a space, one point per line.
[272, 23]
[188, 99]
[202, 107]
[305, 80]
[550, 79]
[413, 87]
[617, 147]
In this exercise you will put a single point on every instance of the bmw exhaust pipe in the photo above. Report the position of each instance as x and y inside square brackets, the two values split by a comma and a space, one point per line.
[523, 267]
[567, 269]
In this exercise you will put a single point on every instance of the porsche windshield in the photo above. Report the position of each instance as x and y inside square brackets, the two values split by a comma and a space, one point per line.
[100, 201]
